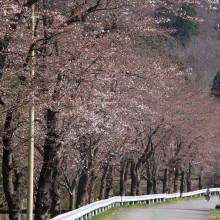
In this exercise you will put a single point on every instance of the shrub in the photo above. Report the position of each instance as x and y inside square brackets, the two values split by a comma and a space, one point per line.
[217, 206]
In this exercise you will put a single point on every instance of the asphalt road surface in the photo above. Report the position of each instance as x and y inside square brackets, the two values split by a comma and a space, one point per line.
[193, 210]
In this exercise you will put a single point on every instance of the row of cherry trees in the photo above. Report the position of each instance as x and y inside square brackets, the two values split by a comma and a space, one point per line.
[112, 110]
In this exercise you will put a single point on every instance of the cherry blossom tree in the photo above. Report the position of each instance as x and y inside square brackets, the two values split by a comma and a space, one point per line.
[95, 76]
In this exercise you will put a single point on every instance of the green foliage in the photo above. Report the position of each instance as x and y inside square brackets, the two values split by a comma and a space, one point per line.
[169, 3]
[185, 28]
[189, 9]
[104, 215]
[217, 206]
[215, 214]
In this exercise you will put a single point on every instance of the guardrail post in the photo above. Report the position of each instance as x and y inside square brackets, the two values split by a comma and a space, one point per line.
[89, 215]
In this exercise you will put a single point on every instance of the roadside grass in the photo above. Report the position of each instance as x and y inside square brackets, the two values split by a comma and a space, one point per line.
[215, 214]
[104, 215]
[109, 212]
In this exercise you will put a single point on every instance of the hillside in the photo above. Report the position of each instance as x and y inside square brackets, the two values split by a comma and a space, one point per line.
[103, 94]
[201, 53]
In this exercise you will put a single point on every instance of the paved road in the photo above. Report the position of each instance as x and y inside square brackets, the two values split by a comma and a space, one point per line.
[191, 210]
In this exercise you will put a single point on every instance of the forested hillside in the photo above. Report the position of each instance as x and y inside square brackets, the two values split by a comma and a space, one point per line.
[118, 109]
[201, 52]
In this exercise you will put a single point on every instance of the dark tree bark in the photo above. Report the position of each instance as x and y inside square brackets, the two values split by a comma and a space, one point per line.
[55, 190]
[88, 153]
[11, 175]
[109, 183]
[175, 181]
[138, 190]
[123, 178]
[82, 189]
[72, 197]
[86, 156]
[103, 183]
[29, 3]
[149, 182]
[200, 178]
[165, 181]
[70, 185]
[134, 178]
[154, 184]
[216, 85]
[188, 179]
[169, 181]
[182, 183]
[48, 184]
[92, 184]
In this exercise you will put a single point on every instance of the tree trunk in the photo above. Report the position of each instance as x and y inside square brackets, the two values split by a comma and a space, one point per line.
[149, 182]
[175, 181]
[103, 183]
[200, 178]
[72, 193]
[91, 191]
[88, 152]
[72, 199]
[138, 190]
[165, 181]
[123, 178]
[169, 180]
[189, 184]
[55, 193]
[82, 189]
[11, 176]
[154, 185]
[109, 183]
[48, 184]
[188, 179]
[134, 179]
[182, 183]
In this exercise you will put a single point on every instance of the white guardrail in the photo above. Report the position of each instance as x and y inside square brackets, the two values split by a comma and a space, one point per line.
[92, 209]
